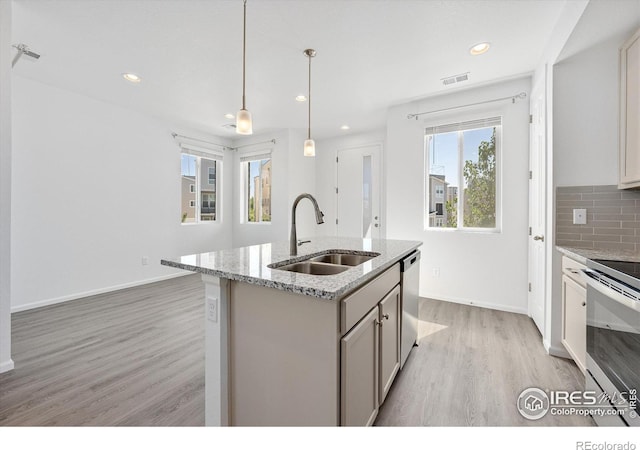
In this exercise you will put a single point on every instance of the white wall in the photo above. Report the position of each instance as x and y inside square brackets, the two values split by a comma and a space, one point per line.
[95, 188]
[485, 269]
[326, 173]
[585, 116]
[6, 362]
[292, 174]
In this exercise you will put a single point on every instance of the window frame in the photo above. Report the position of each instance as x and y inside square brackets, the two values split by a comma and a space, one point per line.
[218, 160]
[245, 159]
[455, 119]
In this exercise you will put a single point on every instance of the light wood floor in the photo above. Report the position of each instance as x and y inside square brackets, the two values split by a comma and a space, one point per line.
[470, 367]
[136, 357]
[133, 357]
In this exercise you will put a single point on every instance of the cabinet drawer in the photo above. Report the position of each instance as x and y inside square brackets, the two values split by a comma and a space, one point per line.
[355, 306]
[573, 269]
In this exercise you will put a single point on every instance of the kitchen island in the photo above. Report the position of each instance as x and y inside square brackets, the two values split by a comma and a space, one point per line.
[291, 348]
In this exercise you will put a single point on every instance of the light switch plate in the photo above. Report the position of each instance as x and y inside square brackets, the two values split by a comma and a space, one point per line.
[579, 216]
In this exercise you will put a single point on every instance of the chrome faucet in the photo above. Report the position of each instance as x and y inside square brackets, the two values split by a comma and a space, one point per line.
[293, 240]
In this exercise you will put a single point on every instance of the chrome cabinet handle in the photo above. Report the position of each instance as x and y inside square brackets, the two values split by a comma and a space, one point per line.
[386, 316]
[538, 238]
[377, 322]
[584, 303]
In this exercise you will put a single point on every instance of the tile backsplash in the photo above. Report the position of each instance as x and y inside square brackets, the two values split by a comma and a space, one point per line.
[613, 217]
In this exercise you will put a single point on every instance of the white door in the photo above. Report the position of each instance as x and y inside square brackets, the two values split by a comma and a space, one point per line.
[358, 192]
[537, 206]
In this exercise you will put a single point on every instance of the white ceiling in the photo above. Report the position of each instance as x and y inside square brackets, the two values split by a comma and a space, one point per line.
[371, 54]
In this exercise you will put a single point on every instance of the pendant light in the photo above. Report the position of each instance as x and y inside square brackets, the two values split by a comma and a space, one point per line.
[309, 145]
[243, 118]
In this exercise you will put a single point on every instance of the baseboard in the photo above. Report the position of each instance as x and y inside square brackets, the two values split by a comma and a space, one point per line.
[66, 298]
[560, 352]
[6, 366]
[463, 301]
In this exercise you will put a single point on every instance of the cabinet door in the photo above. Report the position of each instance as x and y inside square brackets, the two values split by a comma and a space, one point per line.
[630, 112]
[574, 320]
[359, 372]
[389, 309]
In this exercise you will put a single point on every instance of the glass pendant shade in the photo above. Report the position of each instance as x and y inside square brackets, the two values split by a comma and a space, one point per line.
[243, 122]
[309, 148]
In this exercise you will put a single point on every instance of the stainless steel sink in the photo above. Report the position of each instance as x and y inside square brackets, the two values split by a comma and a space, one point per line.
[330, 263]
[343, 259]
[314, 268]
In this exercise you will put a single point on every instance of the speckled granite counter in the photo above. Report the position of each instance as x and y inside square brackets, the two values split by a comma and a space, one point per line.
[583, 254]
[249, 264]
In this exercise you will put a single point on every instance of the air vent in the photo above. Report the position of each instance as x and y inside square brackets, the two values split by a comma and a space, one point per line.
[455, 78]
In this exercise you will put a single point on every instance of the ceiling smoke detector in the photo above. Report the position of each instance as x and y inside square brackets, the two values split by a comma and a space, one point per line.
[455, 78]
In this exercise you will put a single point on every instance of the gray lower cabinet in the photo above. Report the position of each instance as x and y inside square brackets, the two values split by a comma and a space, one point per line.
[370, 360]
[389, 310]
[295, 360]
[359, 386]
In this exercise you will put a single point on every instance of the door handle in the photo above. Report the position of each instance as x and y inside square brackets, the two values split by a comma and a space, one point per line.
[538, 238]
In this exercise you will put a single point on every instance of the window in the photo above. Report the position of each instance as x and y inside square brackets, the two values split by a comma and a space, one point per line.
[199, 187]
[462, 169]
[256, 177]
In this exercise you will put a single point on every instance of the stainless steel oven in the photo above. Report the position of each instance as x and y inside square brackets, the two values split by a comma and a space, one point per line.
[613, 338]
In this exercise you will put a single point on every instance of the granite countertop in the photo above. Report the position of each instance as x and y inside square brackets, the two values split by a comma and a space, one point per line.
[583, 254]
[249, 264]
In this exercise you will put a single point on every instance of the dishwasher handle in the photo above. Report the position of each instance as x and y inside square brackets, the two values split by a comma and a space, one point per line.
[409, 261]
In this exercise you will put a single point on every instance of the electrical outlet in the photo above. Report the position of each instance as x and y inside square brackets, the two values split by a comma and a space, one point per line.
[436, 272]
[145, 260]
[212, 309]
[579, 216]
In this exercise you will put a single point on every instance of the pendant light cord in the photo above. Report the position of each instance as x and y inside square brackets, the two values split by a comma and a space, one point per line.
[244, 52]
[309, 99]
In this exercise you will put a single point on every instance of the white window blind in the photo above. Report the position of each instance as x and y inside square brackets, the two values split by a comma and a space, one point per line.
[255, 156]
[202, 152]
[462, 126]
[197, 147]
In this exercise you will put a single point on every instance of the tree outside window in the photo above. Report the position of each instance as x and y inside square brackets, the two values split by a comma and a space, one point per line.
[462, 169]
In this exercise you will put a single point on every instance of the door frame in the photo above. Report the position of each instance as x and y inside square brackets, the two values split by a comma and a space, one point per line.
[381, 184]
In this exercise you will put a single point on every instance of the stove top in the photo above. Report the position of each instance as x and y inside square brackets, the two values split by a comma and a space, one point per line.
[624, 271]
[629, 268]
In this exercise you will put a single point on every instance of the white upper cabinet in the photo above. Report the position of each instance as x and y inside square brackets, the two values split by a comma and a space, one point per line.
[630, 113]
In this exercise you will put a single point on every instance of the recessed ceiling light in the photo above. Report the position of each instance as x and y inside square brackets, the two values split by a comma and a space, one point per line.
[301, 98]
[480, 48]
[345, 127]
[132, 77]
[229, 116]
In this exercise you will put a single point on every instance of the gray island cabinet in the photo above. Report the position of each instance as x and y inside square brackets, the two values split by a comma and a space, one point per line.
[288, 348]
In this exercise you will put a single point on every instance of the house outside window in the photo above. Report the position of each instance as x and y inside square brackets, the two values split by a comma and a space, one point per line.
[257, 177]
[462, 168]
[199, 188]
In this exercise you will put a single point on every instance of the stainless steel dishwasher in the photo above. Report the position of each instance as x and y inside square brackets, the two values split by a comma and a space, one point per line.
[409, 282]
